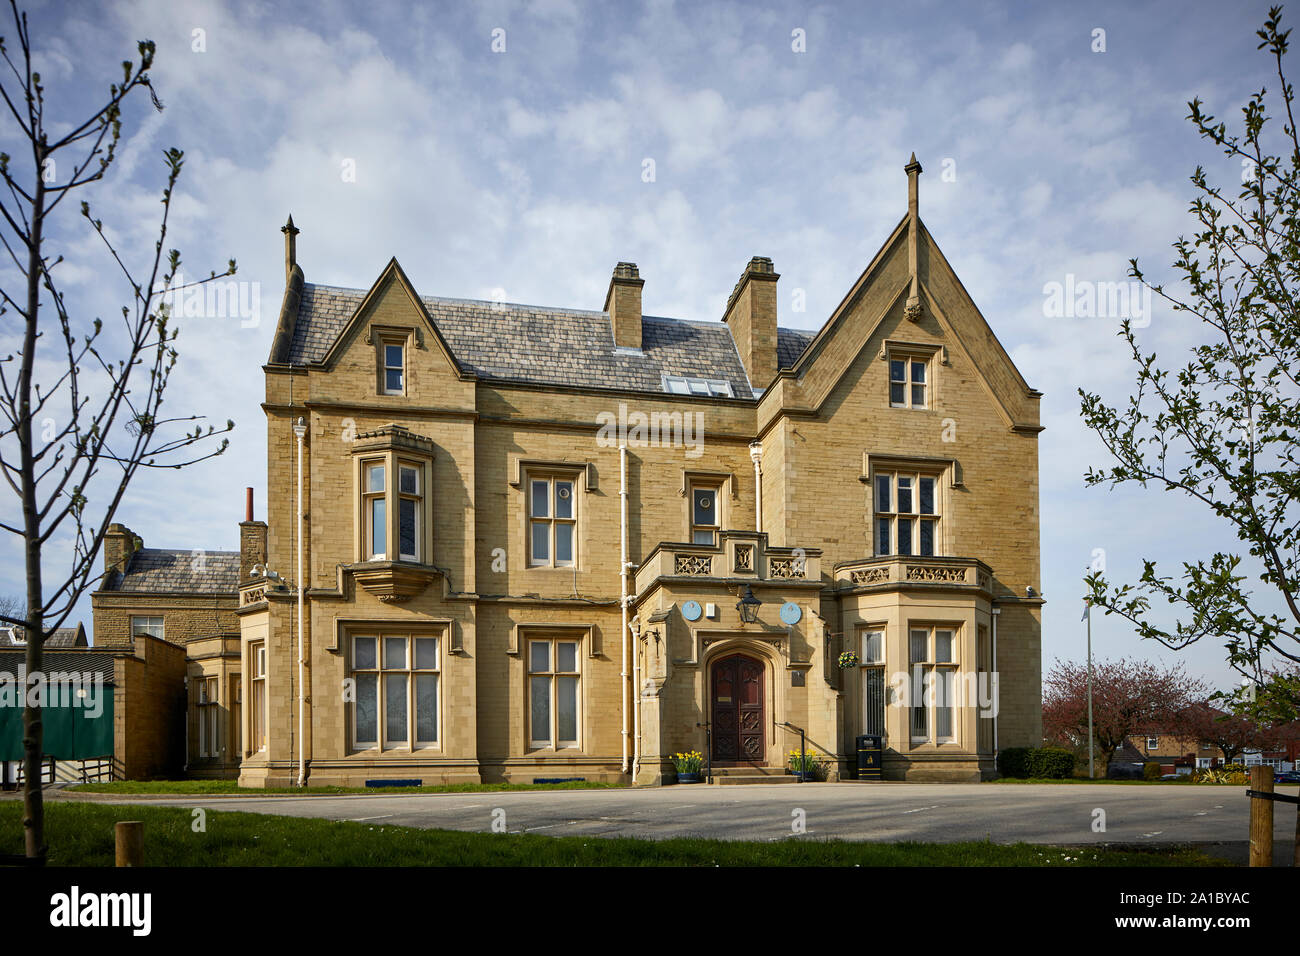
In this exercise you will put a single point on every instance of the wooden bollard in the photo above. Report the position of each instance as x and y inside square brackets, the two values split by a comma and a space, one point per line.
[1261, 817]
[129, 835]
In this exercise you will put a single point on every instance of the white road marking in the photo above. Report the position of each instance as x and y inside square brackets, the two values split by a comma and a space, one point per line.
[919, 809]
[1157, 833]
[382, 816]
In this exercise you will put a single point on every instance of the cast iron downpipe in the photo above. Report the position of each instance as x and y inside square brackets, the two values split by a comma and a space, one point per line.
[803, 752]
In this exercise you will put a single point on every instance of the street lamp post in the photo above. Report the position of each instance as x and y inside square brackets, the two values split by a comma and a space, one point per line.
[1087, 616]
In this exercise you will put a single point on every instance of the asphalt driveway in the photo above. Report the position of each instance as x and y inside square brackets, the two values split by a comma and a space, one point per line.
[886, 812]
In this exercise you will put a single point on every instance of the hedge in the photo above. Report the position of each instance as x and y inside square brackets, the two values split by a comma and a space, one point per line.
[1043, 763]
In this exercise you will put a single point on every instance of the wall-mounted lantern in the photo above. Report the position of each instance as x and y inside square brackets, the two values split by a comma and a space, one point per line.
[748, 606]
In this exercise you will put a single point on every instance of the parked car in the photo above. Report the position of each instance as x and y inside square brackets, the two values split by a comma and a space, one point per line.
[1291, 776]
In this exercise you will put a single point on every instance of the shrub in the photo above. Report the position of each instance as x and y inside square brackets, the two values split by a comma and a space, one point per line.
[1234, 776]
[1014, 762]
[1152, 771]
[1051, 763]
[1042, 763]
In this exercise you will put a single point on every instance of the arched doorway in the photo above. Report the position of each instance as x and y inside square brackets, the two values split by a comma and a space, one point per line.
[738, 701]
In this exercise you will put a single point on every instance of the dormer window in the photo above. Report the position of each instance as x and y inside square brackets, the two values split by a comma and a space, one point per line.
[703, 387]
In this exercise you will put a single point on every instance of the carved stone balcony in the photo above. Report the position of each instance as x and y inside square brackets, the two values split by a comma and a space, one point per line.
[911, 571]
[743, 555]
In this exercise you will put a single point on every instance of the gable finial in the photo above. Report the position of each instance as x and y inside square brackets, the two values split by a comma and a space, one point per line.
[290, 247]
[912, 310]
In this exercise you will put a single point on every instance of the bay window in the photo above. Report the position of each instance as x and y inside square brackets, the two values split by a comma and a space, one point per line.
[393, 470]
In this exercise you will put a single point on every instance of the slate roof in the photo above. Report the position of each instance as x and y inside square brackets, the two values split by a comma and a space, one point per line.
[549, 346]
[193, 572]
[94, 660]
[63, 637]
[790, 344]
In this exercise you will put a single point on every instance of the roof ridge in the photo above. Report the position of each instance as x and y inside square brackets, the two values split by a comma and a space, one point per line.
[208, 551]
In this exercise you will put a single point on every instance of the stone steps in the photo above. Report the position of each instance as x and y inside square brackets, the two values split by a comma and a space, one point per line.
[732, 776]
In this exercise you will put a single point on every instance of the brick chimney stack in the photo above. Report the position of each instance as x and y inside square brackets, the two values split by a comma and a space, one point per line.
[252, 539]
[623, 303]
[120, 542]
[751, 317]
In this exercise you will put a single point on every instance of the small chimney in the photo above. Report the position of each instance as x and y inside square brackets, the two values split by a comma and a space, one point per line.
[751, 317]
[120, 542]
[623, 303]
[290, 247]
[252, 539]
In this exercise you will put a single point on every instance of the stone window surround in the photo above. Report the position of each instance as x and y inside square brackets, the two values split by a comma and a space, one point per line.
[147, 627]
[583, 475]
[724, 482]
[575, 520]
[258, 665]
[407, 338]
[381, 630]
[930, 667]
[553, 637]
[926, 352]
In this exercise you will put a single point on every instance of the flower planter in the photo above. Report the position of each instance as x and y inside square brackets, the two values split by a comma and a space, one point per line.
[689, 778]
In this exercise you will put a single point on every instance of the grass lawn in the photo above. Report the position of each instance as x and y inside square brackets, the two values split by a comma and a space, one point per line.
[1128, 783]
[81, 834]
[218, 787]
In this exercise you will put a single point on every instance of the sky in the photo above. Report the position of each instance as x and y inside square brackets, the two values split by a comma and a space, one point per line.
[518, 150]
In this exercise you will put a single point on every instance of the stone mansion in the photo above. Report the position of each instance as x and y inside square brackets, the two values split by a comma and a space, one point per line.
[509, 542]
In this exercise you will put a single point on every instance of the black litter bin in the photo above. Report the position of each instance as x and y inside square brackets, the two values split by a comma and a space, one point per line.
[871, 751]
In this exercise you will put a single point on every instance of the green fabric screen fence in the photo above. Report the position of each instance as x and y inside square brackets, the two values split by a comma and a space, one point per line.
[70, 730]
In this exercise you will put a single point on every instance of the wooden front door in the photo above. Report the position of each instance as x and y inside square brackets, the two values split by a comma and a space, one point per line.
[738, 724]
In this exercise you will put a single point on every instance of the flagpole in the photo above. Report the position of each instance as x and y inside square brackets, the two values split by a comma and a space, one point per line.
[1087, 613]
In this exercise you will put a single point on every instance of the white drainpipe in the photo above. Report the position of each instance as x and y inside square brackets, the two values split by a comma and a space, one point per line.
[756, 453]
[636, 703]
[623, 595]
[996, 611]
[300, 430]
